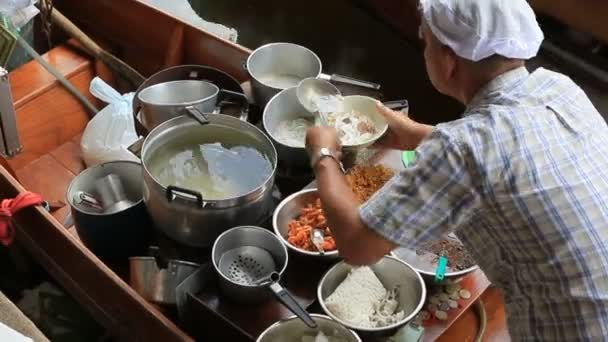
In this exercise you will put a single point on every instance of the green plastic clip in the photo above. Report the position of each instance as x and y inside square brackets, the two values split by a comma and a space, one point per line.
[441, 268]
[408, 157]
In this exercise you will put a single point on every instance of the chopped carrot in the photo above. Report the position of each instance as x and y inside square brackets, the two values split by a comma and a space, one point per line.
[300, 229]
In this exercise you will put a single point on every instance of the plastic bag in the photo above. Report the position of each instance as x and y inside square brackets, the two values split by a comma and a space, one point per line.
[112, 130]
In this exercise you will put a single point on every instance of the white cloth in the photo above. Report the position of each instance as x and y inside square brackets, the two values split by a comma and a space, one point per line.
[477, 29]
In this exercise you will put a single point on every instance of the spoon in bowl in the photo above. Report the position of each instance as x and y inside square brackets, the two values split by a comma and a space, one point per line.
[318, 238]
[312, 92]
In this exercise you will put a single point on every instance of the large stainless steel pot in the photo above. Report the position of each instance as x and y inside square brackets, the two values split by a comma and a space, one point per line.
[277, 66]
[185, 215]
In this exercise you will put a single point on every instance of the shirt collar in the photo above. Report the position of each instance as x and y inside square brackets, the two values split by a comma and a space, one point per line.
[502, 83]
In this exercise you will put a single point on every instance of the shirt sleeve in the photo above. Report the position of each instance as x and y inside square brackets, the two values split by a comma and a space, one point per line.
[433, 196]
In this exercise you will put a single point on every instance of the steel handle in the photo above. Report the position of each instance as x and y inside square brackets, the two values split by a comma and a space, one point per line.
[398, 105]
[197, 115]
[285, 297]
[173, 191]
[136, 147]
[353, 81]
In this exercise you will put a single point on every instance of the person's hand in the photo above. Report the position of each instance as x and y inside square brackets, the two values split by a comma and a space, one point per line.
[403, 133]
[318, 137]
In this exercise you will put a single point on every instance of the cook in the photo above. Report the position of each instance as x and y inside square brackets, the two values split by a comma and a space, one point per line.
[521, 178]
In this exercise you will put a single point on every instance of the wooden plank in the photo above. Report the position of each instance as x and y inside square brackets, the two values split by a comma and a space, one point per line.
[32, 79]
[47, 177]
[114, 304]
[584, 15]
[53, 118]
[69, 155]
[144, 45]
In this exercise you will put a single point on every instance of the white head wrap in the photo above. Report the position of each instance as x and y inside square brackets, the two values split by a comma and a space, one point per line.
[477, 29]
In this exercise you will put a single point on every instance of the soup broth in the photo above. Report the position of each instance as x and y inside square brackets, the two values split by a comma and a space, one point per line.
[217, 170]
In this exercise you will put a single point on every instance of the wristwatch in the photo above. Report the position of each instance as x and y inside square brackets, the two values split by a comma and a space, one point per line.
[326, 153]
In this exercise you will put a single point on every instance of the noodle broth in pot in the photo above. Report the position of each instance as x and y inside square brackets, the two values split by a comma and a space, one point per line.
[200, 180]
[283, 110]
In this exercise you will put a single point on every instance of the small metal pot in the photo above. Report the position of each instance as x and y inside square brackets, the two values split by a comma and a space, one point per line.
[292, 329]
[185, 215]
[119, 233]
[243, 253]
[164, 101]
[277, 66]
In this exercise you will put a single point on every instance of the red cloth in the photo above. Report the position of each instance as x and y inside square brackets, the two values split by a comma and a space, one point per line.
[8, 207]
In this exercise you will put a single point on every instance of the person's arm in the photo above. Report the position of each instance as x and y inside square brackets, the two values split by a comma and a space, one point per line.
[357, 244]
[403, 133]
[422, 203]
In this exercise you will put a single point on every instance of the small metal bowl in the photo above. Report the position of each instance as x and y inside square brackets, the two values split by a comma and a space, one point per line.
[392, 272]
[292, 329]
[288, 210]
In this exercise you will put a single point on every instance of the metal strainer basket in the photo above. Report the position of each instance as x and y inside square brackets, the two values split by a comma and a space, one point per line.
[250, 262]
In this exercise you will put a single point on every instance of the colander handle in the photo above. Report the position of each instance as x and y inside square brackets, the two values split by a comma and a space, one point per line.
[286, 299]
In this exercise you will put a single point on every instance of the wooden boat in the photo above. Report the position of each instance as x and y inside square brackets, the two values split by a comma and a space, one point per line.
[585, 16]
[50, 123]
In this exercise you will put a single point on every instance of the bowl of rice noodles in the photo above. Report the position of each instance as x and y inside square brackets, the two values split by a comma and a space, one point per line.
[359, 123]
[374, 301]
[286, 121]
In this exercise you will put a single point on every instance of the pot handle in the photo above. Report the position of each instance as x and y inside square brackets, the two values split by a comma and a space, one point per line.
[226, 96]
[136, 147]
[398, 105]
[173, 191]
[286, 299]
[197, 114]
[351, 81]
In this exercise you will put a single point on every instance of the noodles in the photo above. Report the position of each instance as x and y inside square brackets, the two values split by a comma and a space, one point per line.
[293, 132]
[353, 127]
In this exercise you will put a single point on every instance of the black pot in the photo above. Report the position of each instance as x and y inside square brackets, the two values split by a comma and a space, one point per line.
[115, 235]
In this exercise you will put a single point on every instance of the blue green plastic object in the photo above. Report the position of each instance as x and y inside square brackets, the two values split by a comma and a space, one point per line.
[442, 265]
[408, 157]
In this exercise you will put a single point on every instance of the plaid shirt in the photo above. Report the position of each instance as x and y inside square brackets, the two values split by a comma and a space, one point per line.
[522, 179]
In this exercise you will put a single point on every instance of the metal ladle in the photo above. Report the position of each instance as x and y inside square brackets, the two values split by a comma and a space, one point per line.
[311, 88]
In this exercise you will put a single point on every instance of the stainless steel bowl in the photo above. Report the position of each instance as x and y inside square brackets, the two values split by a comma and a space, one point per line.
[392, 272]
[292, 329]
[288, 210]
[286, 106]
[427, 270]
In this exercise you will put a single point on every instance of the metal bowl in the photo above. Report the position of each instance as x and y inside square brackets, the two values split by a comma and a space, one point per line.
[427, 269]
[288, 210]
[292, 329]
[286, 106]
[391, 272]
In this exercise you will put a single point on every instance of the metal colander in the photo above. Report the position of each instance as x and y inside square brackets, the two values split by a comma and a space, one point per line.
[250, 262]
[247, 265]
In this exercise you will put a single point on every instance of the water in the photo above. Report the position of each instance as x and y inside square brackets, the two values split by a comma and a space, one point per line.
[282, 81]
[216, 170]
[348, 40]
